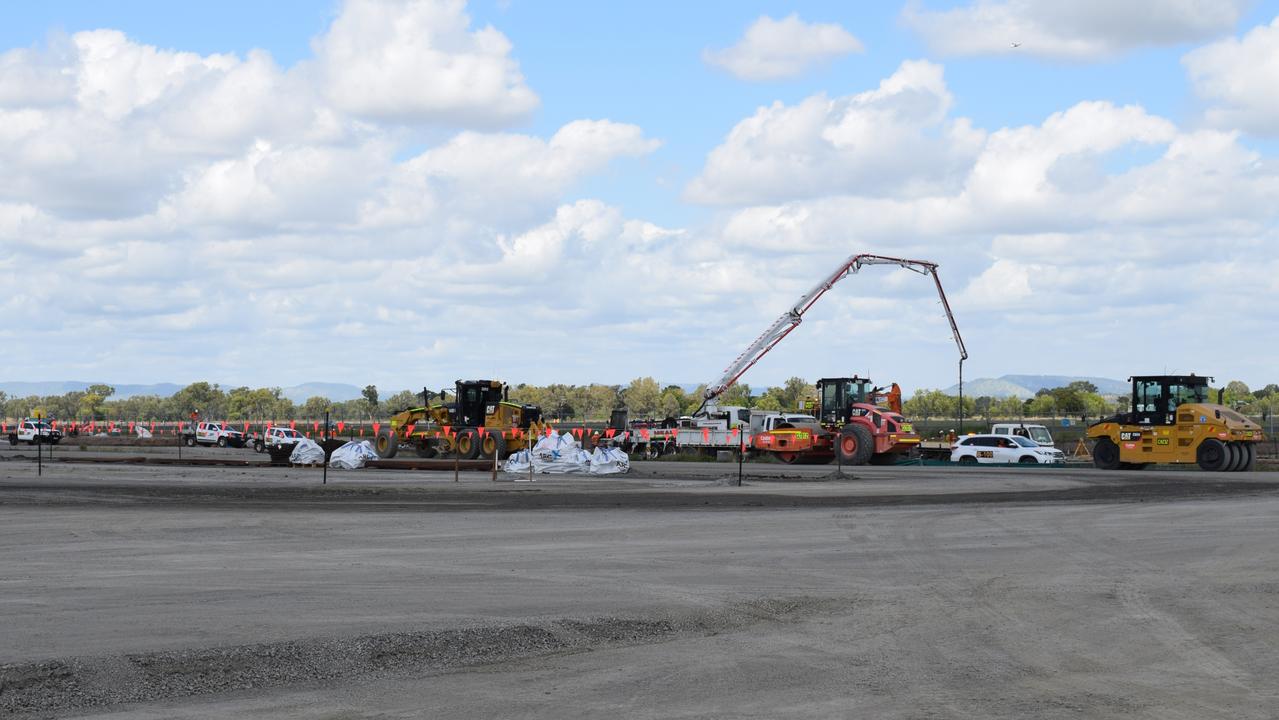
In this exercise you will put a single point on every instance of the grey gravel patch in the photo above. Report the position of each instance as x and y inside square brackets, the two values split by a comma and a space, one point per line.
[65, 684]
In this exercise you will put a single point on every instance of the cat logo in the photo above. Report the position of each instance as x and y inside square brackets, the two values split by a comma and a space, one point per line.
[1129, 436]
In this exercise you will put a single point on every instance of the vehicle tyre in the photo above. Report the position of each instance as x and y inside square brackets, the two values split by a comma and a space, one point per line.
[652, 451]
[967, 460]
[493, 444]
[855, 445]
[1250, 457]
[13, 438]
[386, 444]
[259, 446]
[1234, 457]
[1212, 455]
[190, 440]
[425, 449]
[788, 458]
[222, 441]
[1105, 455]
[1027, 460]
[468, 444]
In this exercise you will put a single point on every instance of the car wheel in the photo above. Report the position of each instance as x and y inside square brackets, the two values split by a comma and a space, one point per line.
[259, 446]
[13, 439]
[1212, 455]
[967, 460]
[222, 441]
[1105, 454]
[190, 440]
[1027, 460]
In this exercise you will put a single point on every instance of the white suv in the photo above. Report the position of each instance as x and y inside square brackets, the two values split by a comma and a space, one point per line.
[992, 448]
[34, 431]
[276, 437]
[212, 433]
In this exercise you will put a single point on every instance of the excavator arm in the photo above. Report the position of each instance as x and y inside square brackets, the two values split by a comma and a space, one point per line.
[795, 315]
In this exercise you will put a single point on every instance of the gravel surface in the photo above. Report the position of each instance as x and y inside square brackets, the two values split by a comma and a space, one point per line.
[142, 592]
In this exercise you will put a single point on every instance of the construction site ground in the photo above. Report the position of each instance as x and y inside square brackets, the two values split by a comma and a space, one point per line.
[148, 591]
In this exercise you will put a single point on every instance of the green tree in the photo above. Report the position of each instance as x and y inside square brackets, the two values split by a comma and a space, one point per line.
[207, 399]
[643, 397]
[314, 407]
[402, 400]
[739, 394]
[370, 399]
[1082, 386]
[91, 400]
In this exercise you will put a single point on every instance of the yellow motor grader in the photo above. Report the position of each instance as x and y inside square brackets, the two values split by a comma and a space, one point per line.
[480, 422]
[1171, 420]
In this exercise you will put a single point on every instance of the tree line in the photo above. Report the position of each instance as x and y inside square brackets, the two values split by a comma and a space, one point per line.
[644, 397]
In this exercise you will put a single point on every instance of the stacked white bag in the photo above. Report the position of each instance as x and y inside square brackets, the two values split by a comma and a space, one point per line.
[352, 455]
[561, 454]
[307, 452]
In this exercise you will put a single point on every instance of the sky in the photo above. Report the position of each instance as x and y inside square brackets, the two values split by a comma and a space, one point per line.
[407, 192]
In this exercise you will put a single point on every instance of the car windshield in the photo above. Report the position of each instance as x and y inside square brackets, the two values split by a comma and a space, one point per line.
[1040, 435]
[1024, 442]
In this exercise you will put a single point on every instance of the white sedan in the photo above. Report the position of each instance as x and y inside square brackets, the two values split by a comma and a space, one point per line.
[975, 449]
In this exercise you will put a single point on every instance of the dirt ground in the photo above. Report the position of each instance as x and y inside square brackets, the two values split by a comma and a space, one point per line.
[905, 592]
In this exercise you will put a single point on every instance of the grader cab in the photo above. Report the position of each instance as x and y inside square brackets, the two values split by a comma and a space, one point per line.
[1172, 419]
[481, 421]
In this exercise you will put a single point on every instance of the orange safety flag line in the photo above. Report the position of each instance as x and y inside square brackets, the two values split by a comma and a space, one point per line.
[609, 433]
[706, 434]
[293, 424]
[341, 425]
[377, 427]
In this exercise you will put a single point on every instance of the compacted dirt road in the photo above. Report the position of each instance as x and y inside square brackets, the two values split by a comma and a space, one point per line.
[907, 592]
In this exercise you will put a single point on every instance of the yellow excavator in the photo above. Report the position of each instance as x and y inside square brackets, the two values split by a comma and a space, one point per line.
[479, 422]
[1171, 420]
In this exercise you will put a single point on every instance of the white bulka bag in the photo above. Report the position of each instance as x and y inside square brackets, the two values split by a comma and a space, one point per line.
[559, 454]
[517, 462]
[307, 452]
[609, 461]
[352, 455]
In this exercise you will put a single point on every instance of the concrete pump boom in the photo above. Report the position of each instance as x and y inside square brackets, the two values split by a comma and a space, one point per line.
[794, 316]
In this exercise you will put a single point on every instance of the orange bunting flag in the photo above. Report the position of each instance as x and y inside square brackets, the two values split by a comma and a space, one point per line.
[644, 433]
[609, 433]
[377, 427]
[706, 434]
[315, 426]
[246, 428]
[446, 430]
[341, 425]
[293, 424]
[549, 431]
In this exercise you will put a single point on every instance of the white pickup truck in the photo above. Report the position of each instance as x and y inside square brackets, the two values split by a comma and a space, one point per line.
[277, 437]
[212, 433]
[1038, 433]
[35, 431]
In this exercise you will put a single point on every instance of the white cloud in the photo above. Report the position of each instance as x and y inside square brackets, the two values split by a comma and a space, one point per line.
[1239, 77]
[1069, 29]
[504, 178]
[776, 49]
[418, 61]
[894, 140]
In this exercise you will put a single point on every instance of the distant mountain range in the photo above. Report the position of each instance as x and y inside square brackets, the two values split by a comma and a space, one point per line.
[1025, 386]
[336, 392]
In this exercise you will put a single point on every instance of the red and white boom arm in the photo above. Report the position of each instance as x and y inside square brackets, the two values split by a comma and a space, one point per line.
[795, 315]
